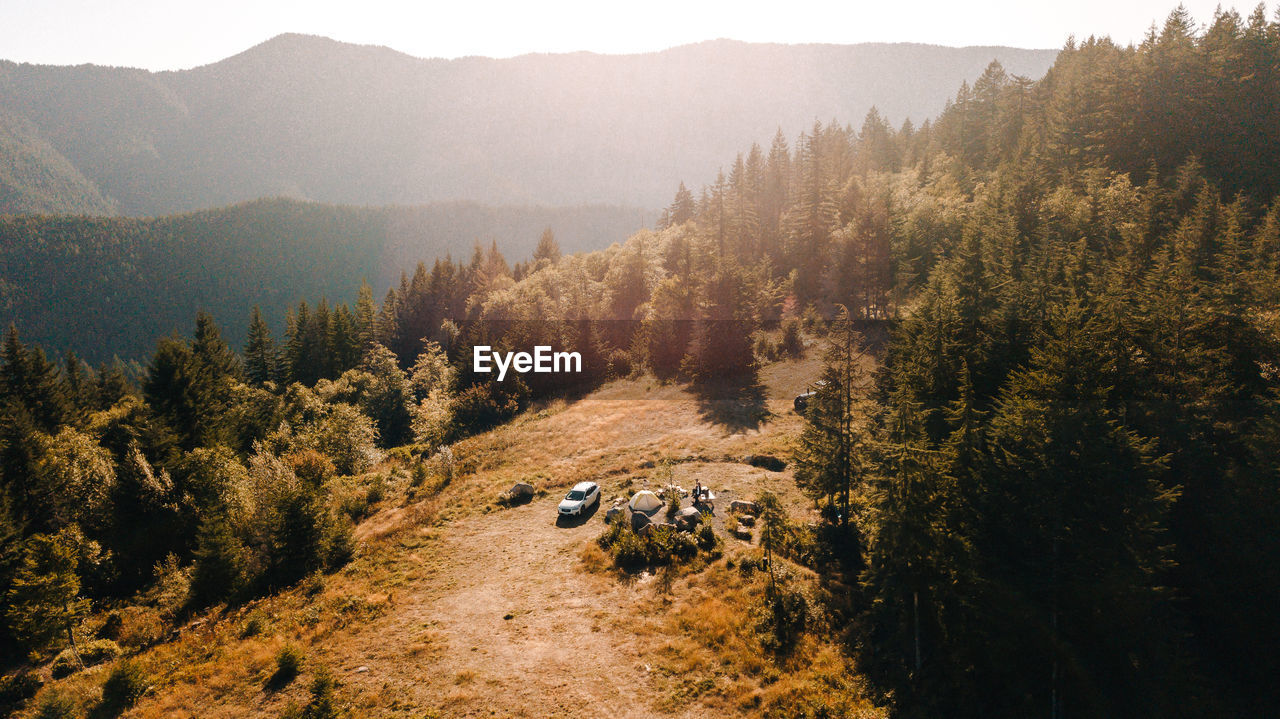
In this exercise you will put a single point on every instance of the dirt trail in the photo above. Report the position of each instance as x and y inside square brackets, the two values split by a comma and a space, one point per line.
[512, 626]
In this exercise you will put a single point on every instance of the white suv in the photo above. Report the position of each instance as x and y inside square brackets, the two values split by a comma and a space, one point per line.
[582, 496]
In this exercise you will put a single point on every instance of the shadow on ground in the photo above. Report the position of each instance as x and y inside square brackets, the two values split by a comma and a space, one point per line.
[736, 406]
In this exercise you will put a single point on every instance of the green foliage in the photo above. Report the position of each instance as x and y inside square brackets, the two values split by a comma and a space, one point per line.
[658, 547]
[43, 603]
[289, 661]
[791, 344]
[706, 537]
[781, 617]
[124, 686]
[18, 687]
[323, 704]
[831, 456]
[56, 705]
[222, 563]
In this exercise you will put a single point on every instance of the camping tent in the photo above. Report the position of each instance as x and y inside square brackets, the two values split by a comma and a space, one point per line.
[645, 501]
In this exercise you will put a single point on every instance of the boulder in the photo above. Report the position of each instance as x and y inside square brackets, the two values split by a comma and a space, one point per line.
[613, 513]
[739, 506]
[648, 529]
[743, 533]
[639, 520]
[766, 461]
[688, 518]
[519, 493]
[747, 520]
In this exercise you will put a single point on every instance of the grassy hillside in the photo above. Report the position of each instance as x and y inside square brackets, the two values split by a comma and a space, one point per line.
[112, 286]
[457, 606]
[316, 119]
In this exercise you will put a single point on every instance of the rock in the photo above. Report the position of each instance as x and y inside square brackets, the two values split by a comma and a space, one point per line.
[639, 520]
[613, 513]
[688, 518]
[648, 529]
[519, 493]
[742, 533]
[747, 520]
[766, 461]
[361, 670]
[739, 506]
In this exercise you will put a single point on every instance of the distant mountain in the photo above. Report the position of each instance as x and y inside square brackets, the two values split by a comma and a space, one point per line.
[34, 177]
[312, 118]
[108, 286]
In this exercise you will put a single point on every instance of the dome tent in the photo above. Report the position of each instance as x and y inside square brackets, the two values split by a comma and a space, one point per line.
[645, 501]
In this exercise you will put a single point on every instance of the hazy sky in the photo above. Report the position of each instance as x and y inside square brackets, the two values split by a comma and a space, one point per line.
[170, 34]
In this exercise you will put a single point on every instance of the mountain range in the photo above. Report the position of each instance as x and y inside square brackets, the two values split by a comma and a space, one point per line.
[311, 118]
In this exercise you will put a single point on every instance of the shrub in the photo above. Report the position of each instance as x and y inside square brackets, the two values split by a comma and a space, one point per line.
[419, 474]
[99, 651]
[308, 538]
[143, 626]
[812, 321]
[673, 503]
[660, 547]
[766, 350]
[347, 437]
[707, 539]
[323, 705]
[171, 589]
[111, 626]
[792, 343]
[289, 660]
[124, 686]
[55, 705]
[679, 545]
[486, 405]
[781, 617]
[311, 466]
[620, 364]
[254, 625]
[629, 549]
[64, 665]
[377, 490]
[91, 653]
[17, 688]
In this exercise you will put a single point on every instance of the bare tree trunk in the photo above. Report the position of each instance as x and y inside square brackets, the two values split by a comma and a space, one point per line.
[71, 635]
[915, 614]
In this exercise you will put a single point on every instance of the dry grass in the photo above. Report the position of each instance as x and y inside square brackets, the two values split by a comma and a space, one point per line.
[456, 606]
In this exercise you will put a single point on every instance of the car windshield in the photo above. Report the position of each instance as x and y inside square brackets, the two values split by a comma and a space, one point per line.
[576, 495]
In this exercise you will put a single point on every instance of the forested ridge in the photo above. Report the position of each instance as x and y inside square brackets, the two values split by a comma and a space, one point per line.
[108, 287]
[1057, 494]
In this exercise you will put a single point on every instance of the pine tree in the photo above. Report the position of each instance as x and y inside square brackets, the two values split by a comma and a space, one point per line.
[44, 603]
[548, 249]
[261, 358]
[831, 456]
[366, 316]
[682, 207]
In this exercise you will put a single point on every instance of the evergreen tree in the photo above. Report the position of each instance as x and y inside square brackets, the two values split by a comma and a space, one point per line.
[548, 249]
[44, 603]
[682, 207]
[831, 456]
[261, 358]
